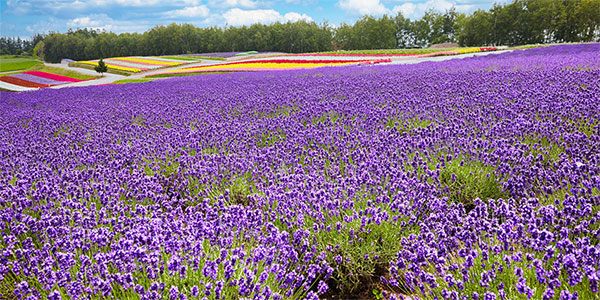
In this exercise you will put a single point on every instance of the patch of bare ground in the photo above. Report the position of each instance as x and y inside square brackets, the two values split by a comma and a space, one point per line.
[370, 287]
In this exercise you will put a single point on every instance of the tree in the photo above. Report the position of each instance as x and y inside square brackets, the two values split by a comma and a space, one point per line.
[38, 50]
[477, 29]
[405, 35]
[514, 23]
[101, 67]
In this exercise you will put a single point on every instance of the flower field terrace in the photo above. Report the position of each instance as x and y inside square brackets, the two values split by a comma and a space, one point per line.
[311, 60]
[136, 64]
[31, 80]
[283, 63]
[469, 179]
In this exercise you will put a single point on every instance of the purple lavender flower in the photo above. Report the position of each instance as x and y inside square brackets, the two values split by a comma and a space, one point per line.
[322, 287]
[548, 294]
[593, 278]
[168, 178]
[489, 296]
[54, 295]
[174, 293]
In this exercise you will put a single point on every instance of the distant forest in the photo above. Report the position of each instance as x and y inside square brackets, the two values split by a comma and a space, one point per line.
[517, 23]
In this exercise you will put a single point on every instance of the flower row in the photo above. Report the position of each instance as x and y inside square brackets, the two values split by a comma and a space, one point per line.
[33, 80]
[136, 64]
[463, 179]
[273, 64]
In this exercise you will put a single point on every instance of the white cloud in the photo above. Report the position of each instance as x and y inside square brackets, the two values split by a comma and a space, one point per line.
[69, 9]
[238, 3]
[7, 26]
[18, 7]
[144, 3]
[188, 12]
[303, 2]
[466, 8]
[363, 7]
[84, 22]
[238, 17]
[43, 26]
[104, 22]
[416, 10]
[407, 9]
[294, 17]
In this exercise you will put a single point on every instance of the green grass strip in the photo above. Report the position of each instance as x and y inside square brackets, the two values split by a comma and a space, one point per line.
[62, 72]
[91, 67]
[14, 63]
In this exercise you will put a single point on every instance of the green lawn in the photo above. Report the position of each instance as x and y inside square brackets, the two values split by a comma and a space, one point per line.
[63, 72]
[91, 67]
[14, 63]
[53, 70]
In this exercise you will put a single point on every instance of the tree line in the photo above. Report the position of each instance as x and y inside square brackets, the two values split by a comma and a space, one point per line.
[18, 46]
[517, 23]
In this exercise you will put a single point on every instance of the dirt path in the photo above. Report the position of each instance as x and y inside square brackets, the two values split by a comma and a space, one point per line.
[107, 78]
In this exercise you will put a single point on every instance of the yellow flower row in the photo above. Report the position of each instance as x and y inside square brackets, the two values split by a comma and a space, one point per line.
[149, 61]
[260, 66]
[469, 50]
[93, 63]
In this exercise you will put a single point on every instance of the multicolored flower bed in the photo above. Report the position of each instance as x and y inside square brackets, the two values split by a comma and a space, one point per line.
[136, 64]
[215, 54]
[281, 63]
[32, 80]
[390, 55]
[307, 61]
[469, 179]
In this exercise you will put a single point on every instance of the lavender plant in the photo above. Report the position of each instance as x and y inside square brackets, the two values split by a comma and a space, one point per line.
[465, 179]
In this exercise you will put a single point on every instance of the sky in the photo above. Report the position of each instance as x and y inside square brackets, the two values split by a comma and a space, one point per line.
[23, 18]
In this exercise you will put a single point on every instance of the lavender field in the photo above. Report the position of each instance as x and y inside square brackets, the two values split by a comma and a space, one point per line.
[474, 178]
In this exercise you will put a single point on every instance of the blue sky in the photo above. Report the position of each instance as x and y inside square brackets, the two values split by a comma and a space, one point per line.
[24, 18]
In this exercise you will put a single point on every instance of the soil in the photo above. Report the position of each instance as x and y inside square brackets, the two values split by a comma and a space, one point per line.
[365, 290]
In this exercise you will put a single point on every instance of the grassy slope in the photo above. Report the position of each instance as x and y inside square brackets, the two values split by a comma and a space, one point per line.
[53, 70]
[63, 72]
[90, 67]
[14, 63]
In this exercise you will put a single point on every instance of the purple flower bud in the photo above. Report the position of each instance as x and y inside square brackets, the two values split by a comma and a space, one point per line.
[174, 293]
[489, 296]
[322, 287]
[54, 295]
[195, 291]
